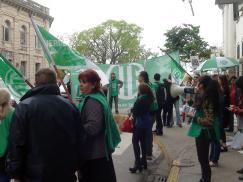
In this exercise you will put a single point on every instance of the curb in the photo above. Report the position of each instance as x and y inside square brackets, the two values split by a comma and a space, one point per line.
[173, 164]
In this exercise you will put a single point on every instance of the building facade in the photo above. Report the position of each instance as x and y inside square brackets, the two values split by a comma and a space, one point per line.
[18, 40]
[232, 12]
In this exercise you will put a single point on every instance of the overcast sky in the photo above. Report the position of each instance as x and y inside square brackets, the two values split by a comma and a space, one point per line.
[154, 16]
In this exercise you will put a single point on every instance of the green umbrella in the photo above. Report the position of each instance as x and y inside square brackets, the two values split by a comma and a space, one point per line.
[217, 63]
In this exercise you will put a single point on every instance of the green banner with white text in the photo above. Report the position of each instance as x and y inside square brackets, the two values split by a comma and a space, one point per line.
[128, 73]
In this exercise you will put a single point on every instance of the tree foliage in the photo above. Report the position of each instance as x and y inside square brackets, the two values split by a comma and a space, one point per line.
[187, 40]
[112, 41]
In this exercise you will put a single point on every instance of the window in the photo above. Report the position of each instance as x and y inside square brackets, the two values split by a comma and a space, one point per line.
[37, 66]
[37, 43]
[23, 35]
[23, 67]
[238, 51]
[6, 30]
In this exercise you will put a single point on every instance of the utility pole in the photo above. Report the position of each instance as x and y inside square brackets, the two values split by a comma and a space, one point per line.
[190, 2]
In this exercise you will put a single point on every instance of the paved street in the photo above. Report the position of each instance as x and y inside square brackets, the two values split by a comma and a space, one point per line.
[177, 147]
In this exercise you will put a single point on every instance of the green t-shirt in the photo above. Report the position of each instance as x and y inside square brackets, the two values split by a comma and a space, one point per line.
[113, 86]
[4, 131]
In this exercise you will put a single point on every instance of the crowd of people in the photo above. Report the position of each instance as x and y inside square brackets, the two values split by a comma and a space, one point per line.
[46, 138]
[216, 102]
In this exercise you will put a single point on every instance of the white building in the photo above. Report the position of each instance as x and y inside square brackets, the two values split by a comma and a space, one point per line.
[232, 12]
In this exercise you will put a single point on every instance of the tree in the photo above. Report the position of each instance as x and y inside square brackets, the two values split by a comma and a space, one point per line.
[187, 40]
[112, 41]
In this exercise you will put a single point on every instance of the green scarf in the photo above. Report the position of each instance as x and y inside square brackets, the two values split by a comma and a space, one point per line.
[112, 135]
[4, 131]
[213, 132]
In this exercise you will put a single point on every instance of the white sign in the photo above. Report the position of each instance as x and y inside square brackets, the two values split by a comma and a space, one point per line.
[194, 61]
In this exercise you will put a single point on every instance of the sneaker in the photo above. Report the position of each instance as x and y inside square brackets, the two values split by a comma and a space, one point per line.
[213, 164]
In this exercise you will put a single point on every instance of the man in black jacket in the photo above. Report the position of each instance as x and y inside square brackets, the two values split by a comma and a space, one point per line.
[43, 140]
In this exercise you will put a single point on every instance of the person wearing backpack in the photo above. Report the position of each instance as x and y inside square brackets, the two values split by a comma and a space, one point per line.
[160, 97]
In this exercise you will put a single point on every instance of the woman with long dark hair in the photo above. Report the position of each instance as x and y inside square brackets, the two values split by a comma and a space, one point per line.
[142, 125]
[205, 124]
[225, 114]
[144, 78]
[101, 134]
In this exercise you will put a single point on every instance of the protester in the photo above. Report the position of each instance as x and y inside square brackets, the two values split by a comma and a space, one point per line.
[144, 78]
[43, 137]
[177, 110]
[233, 101]
[6, 112]
[114, 86]
[101, 135]
[142, 125]
[160, 97]
[168, 108]
[205, 124]
[224, 120]
[238, 110]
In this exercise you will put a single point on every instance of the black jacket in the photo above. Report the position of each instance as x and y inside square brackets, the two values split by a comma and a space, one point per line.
[43, 140]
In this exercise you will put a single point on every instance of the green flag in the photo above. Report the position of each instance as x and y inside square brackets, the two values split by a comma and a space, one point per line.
[63, 56]
[12, 79]
[177, 71]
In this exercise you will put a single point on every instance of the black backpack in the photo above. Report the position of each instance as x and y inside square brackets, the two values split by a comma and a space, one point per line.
[160, 95]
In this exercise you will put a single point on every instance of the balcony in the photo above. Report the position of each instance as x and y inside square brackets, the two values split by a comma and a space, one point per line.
[32, 7]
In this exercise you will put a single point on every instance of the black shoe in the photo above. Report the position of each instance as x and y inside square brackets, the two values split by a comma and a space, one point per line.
[149, 157]
[144, 164]
[154, 131]
[240, 171]
[223, 149]
[135, 169]
[117, 112]
[241, 178]
[201, 180]
[159, 133]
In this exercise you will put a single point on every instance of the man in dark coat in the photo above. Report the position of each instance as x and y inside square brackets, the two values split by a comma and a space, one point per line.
[43, 140]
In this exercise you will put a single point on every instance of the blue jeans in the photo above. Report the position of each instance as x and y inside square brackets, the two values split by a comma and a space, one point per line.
[4, 177]
[178, 119]
[139, 142]
[215, 151]
[159, 124]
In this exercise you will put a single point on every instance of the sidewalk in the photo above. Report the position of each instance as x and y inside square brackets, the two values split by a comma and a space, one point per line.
[181, 152]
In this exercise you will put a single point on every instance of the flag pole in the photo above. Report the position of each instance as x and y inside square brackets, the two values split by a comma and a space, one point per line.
[174, 61]
[49, 57]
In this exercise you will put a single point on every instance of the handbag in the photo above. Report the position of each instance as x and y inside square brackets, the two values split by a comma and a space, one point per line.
[127, 125]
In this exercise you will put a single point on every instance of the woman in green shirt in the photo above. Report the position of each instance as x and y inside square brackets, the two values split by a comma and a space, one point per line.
[205, 124]
[6, 112]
